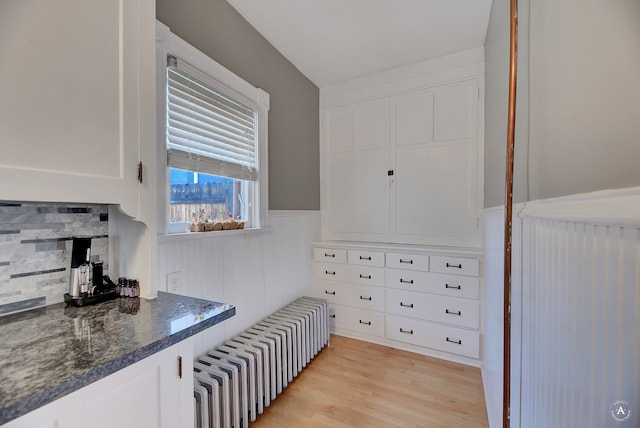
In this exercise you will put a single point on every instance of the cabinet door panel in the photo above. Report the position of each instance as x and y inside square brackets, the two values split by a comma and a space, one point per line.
[436, 193]
[358, 193]
[454, 112]
[372, 127]
[414, 118]
[340, 130]
[71, 109]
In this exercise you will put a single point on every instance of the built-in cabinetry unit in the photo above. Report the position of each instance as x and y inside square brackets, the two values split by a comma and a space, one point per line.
[154, 392]
[424, 299]
[402, 178]
[77, 114]
[402, 154]
[78, 100]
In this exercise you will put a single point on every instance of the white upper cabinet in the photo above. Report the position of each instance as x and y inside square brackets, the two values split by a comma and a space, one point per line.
[436, 185]
[356, 165]
[402, 159]
[78, 98]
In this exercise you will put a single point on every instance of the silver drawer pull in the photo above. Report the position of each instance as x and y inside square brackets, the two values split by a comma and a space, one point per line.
[447, 311]
[457, 287]
[406, 261]
[406, 281]
[457, 342]
[406, 331]
[330, 273]
[333, 293]
[365, 298]
[365, 276]
[332, 316]
[455, 266]
[329, 255]
[365, 258]
[410, 305]
[365, 322]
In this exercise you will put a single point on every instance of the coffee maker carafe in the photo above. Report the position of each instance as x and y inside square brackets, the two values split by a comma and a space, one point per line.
[80, 267]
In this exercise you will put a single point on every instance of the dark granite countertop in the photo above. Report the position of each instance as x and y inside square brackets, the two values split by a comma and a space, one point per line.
[49, 352]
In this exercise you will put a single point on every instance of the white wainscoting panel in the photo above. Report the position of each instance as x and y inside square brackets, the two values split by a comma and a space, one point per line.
[258, 271]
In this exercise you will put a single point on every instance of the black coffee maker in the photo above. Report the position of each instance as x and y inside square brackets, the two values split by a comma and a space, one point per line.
[84, 290]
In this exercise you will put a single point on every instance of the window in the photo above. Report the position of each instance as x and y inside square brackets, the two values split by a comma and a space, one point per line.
[215, 139]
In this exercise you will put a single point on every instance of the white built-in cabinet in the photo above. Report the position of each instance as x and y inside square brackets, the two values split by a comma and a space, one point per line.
[78, 114]
[403, 162]
[148, 394]
[77, 111]
[422, 299]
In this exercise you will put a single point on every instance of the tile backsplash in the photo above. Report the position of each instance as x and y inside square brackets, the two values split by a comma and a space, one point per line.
[35, 249]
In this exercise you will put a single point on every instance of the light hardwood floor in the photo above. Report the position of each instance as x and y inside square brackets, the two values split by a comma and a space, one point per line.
[360, 384]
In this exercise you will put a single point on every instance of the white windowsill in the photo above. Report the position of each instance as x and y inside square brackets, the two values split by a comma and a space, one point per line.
[214, 234]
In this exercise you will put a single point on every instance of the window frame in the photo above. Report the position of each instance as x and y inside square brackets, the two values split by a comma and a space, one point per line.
[167, 43]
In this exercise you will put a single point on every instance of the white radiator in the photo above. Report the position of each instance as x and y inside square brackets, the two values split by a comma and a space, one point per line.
[236, 380]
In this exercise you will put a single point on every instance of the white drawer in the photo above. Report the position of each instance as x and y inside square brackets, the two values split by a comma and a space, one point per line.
[455, 265]
[432, 307]
[367, 322]
[454, 285]
[330, 271]
[408, 261]
[366, 275]
[407, 279]
[437, 283]
[423, 333]
[365, 258]
[331, 255]
[353, 295]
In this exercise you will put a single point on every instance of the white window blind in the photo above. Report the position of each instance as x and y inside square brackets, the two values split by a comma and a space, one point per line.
[208, 131]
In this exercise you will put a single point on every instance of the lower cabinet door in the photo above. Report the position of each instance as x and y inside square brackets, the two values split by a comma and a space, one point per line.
[430, 335]
[147, 394]
[359, 320]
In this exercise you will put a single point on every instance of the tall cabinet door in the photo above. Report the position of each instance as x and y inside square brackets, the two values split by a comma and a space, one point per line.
[437, 193]
[355, 174]
[77, 83]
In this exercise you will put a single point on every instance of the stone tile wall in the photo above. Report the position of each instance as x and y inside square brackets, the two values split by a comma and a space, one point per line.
[35, 249]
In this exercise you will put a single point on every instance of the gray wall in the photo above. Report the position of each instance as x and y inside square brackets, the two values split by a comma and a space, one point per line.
[584, 109]
[496, 102]
[215, 28]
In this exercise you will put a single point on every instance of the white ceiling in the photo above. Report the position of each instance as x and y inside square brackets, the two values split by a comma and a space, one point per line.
[331, 41]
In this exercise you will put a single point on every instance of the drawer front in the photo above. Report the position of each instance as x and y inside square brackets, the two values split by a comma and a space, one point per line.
[455, 265]
[353, 295]
[365, 258]
[411, 280]
[423, 333]
[332, 291]
[366, 275]
[436, 283]
[330, 271]
[432, 307]
[408, 261]
[454, 285]
[359, 320]
[329, 255]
